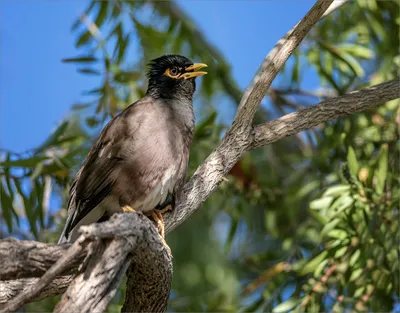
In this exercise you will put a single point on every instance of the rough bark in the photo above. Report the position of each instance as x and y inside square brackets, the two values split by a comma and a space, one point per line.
[28, 258]
[105, 250]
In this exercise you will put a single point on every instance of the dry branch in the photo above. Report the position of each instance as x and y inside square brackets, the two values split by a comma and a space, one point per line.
[105, 251]
[293, 123]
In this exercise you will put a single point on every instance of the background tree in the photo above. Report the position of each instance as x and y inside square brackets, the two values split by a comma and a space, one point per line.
[310, 222]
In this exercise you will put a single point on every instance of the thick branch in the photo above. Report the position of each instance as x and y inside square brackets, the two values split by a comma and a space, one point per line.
[104, 251]
[28, 258]
[11, 288]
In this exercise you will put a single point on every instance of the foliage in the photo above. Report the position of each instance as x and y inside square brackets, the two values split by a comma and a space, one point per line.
[309, 223]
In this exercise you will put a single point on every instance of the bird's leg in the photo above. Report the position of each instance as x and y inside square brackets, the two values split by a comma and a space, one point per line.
[167, 205]
[127, 208]
[158, 218]
[167, 208]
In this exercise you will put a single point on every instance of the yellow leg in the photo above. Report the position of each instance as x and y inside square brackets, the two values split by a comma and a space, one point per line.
[158, 218]
[165, 209]
[127, 208]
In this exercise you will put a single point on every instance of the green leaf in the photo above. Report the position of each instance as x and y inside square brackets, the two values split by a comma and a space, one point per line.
[355, 274]
[37, 171]
[29, 162]
[313, 263]
[231, 236]
[354, 258]
[352, 160]
[329, 226]
[287, 305]
[80, 106]
[80, 59]
[28, 208]
[83, 39]
[102, 13]
[336, 190]
[7, 207]
[338, 234]
[321, 203]
[382, 170]
[54, 137]
[89, 71]
[357, 50]
[340, 252]
[125, 77]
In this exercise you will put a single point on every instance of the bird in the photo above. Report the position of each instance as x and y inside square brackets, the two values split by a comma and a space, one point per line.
[139, 162]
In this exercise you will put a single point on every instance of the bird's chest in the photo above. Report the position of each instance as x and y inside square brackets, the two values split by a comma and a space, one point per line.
[159, 188]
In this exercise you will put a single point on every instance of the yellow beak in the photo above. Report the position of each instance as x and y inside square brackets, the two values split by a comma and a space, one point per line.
[194, 67]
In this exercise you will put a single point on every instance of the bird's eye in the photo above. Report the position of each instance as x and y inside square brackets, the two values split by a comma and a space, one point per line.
[174, 71]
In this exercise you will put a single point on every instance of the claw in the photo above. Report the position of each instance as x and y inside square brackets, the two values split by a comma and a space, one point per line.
[165, 209]
[158, 218]
[127, 208]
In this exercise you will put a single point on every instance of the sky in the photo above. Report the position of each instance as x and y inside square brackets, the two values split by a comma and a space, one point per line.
[37, 90]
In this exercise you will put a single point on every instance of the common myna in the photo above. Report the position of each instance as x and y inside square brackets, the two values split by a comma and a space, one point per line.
[139, 161]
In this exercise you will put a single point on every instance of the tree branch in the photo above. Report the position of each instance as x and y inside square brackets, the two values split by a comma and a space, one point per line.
[104, 251]
[293, 123]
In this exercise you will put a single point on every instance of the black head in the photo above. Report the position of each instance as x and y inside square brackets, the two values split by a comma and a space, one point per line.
[173, 76]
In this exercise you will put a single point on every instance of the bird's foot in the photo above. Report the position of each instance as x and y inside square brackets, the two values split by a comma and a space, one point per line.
[127, 208]
[165, 209]
[159, 220]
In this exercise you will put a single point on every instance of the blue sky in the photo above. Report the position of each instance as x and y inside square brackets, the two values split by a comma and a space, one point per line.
[37, 90]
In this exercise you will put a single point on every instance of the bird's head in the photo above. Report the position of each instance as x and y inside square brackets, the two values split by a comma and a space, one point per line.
[173, 76]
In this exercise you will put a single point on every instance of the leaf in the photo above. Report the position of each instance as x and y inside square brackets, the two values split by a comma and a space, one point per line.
[28, 208]
[329, 226]
[37, 171]
[124, 77]
[382, 170]
[355, 274]
[336, 190]
[352, 160]
[83, 39]
[80, 59]
[231, 235]
[102, 13]
[313, 263]
[357, 50]
[29, 162]
[92, 121]
[354, 258]
[80, 106]
[54, 137]
[340, 252]
[338, 234]
[321, 203]
[287, 305]
[90, 71]
[7, 207]
[205, 125]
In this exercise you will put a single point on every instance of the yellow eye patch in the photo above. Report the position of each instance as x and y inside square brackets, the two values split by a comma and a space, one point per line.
[190, 72]
[170, 73]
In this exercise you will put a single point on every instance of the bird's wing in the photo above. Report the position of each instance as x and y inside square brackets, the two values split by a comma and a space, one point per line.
[96, 178]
